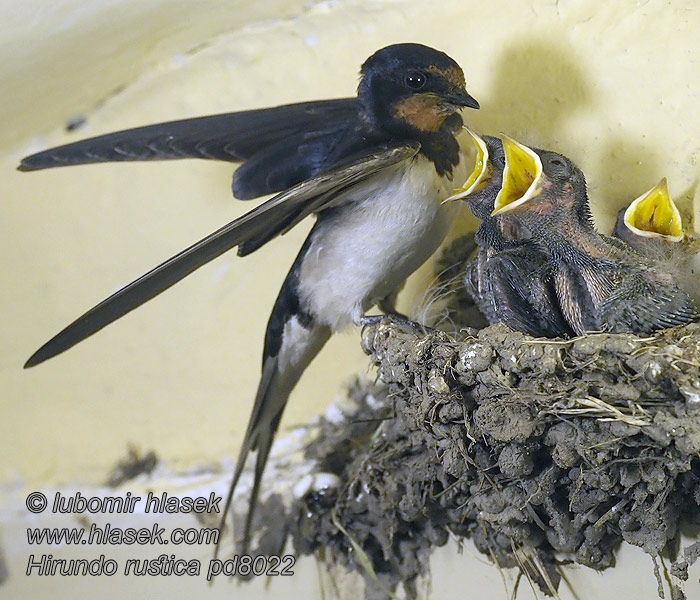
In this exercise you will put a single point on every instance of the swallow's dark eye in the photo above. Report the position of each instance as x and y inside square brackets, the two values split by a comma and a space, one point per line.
[414, 79]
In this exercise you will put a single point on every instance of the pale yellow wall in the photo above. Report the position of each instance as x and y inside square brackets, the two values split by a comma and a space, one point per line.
[614, 85]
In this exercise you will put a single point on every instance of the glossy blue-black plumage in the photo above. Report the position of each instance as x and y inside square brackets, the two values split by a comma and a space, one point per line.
[310, 153]
[281, 148]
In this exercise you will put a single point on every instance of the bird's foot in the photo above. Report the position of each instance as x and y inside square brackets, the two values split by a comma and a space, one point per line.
[397, 319]
[388, 306]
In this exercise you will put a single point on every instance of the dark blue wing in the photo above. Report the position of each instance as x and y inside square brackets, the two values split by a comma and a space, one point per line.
[263, 222]
[298, 134]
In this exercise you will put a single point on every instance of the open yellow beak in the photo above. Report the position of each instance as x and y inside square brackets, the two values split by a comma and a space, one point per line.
[482, 169]
[655, 215]
[520, 177]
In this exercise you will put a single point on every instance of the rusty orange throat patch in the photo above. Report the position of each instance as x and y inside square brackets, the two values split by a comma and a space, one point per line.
[425, 112]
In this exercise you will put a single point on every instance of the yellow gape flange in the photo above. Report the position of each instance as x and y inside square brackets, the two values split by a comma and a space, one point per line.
[482, 169]
[520, 177]
[655, 215]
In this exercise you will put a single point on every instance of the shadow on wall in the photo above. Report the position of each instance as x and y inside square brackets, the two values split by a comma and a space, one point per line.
[537, 86]
[627, 167]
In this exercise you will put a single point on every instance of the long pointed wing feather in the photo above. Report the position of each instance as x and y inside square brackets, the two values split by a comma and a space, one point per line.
[230, 137]
[266, 221]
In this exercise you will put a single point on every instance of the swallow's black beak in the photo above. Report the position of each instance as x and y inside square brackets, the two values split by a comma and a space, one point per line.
[460, 97]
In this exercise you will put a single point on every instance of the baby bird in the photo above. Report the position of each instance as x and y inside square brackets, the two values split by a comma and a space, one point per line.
[509, 279]
[600, 286]
[652, 226]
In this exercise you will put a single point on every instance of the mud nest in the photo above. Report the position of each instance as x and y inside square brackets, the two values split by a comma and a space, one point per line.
[541, 452]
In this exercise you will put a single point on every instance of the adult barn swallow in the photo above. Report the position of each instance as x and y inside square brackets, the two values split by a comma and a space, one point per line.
[509, 279]
[600, 285]
[373, 169]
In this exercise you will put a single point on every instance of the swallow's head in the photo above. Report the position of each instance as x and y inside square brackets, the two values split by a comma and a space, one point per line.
[541, 185]
[653, 218]
[409, 88]
[484, 183]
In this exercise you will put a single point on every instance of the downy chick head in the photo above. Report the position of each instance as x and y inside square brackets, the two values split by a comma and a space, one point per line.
[545, 191]
[410, 89]
[651, 225]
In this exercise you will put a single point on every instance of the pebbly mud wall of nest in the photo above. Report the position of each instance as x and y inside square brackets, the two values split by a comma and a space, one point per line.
[542, 452]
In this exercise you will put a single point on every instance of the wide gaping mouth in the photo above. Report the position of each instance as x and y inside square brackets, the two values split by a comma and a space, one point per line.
[655, 215]
[482, 170]
[522, 173]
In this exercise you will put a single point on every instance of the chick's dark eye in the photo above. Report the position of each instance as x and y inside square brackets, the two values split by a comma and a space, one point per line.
[558, 164]
[414, 80]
